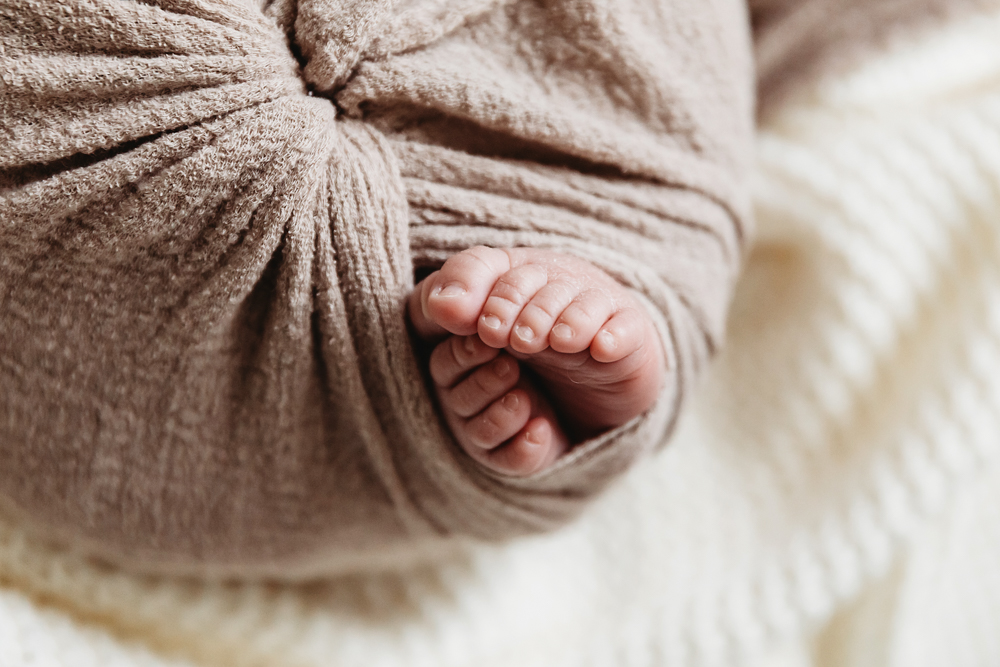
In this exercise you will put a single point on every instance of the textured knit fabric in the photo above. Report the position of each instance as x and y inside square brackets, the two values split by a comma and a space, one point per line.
[836, 478]
[205, 248]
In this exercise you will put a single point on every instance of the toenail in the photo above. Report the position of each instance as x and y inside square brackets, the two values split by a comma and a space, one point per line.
[469, 345]
[511, 401]
[562, 331]
[503, 367]
[491, 321]
[449, 291]
[524, 333]
[531, 438]
[607, 339]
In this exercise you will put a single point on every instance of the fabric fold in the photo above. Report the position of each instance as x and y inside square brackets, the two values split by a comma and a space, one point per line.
[210, 217]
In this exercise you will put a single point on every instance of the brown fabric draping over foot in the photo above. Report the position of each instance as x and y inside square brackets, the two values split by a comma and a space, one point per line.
[205, 249]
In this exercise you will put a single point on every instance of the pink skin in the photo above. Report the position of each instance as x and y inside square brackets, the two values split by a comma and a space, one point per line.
[596, 357]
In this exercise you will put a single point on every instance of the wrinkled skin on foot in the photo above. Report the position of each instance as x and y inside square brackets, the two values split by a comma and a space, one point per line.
[594, 356]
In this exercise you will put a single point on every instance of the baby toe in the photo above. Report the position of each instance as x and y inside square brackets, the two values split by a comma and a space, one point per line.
[530, 333]
[533, 449]
[499, 422]
[512, 291]
[576, 327]
[453, 296]
[423, 325]
[455, 357]
[484, 386]
[625, 333]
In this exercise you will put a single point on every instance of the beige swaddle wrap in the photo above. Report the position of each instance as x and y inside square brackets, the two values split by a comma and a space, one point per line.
[831, 496]
[205, 247]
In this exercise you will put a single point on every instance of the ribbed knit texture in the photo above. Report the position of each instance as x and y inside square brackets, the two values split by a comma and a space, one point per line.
[838, 464]
[210, 216]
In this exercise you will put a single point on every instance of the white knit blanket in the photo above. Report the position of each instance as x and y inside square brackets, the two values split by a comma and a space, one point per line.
[833, 493]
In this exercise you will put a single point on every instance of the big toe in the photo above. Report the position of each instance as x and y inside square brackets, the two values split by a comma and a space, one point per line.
[517, 434]
[453, 296]
[533, 449]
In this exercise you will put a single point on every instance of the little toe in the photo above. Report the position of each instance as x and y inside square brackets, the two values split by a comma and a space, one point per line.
[622, 335]
[484, 386]
[453, 296]
[512, 291]
[533, 449]
[499, 422]
[456, 357]
[576, 327]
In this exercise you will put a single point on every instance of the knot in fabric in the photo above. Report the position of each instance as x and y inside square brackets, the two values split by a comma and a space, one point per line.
[332, 36]
[204, 363]
[235, 259]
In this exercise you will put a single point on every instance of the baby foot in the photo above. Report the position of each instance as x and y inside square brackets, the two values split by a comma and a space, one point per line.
[593, 352]
[495, 414]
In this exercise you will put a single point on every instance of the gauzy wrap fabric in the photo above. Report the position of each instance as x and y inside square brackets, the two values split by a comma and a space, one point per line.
[211, 213]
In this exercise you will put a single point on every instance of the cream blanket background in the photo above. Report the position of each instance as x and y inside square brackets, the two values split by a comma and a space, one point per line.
[832, 498]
